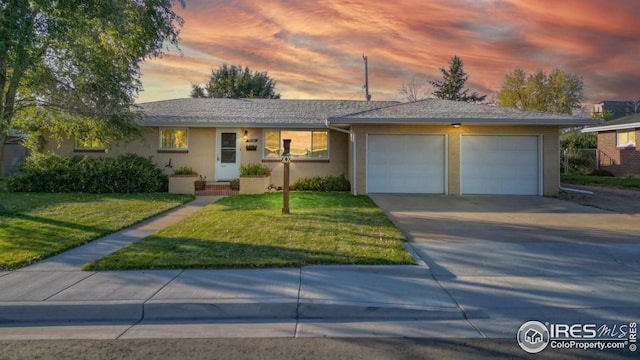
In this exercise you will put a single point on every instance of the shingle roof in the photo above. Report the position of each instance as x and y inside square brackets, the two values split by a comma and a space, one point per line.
[627, 122]
[447, 111]
[250, 112]
[313, 113]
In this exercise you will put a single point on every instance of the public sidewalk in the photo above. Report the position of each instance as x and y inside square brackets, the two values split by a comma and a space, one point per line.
[56, 292]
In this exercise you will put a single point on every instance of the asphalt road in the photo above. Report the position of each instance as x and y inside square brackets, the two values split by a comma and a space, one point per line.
[279, 348]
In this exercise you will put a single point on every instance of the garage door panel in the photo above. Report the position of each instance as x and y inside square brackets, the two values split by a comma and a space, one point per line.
[405, 163]
[399, 170]
[499, 164]
[398, 184]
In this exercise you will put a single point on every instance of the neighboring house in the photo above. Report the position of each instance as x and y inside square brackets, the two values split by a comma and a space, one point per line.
[617, 151]
[618, 108]
[431, 146]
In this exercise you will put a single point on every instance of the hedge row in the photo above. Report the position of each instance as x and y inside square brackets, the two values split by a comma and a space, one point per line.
[322, 183]
[123, 174]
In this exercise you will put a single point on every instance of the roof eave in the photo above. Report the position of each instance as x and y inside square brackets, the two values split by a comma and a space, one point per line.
[235, 125]
[468, 121]
[611, 127]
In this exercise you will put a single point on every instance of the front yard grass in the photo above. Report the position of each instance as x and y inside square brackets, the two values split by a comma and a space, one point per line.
[34, 226]
[250, 231]
[632, 182]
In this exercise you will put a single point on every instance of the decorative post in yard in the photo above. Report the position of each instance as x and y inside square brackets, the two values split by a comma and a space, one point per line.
[286, 159]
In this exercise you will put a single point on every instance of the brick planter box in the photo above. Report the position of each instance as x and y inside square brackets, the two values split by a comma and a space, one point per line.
[254, 184]
[182, 184]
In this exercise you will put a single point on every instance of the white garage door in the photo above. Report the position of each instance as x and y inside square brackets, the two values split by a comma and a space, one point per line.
[500, 165]
[405, 164]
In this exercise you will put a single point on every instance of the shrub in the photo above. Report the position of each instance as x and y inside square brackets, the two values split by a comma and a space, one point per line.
[123, 174]
[601, 172]
[185, 170]
[322, 183]
[254, 169]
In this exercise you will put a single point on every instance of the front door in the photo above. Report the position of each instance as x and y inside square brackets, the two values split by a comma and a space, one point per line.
[228, 154]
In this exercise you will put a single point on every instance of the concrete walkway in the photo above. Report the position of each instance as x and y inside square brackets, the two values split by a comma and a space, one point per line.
[54, 298]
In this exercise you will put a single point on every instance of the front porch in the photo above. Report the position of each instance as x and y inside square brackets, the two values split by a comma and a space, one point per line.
[217, 189]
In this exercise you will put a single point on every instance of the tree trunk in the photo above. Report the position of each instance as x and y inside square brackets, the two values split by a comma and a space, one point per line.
[3, 140]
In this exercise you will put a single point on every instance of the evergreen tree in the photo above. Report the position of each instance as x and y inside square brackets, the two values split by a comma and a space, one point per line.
[451, 87]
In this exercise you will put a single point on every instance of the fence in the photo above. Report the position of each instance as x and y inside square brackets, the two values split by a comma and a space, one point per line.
[582, 161]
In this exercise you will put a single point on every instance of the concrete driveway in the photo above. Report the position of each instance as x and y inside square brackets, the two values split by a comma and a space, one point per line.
[509, 259]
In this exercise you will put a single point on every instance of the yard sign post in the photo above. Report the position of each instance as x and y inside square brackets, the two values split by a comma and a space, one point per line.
[286, 159]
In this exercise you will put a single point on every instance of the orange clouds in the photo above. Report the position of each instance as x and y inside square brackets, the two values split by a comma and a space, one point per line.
[314, 48]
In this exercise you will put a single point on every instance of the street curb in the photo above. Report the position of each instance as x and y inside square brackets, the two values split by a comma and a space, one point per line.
[30, 312]
[131, 312]
[376, 312]
[203, 310]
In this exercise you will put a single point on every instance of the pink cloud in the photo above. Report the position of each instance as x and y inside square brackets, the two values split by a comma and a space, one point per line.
[314, 48]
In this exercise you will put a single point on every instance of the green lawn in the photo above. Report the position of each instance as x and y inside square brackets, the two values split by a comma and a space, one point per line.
[251, 231]
[632, 182]
[34, 226]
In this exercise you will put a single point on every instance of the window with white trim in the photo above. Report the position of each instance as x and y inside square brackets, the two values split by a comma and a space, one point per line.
[626, 138]
[174, 139]
[305, 144]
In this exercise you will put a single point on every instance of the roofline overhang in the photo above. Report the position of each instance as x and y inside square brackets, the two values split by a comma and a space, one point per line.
[319, 125]
[611, 127]
[468, 121]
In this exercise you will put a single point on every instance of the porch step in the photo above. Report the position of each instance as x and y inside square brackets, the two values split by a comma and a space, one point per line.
[217, 189]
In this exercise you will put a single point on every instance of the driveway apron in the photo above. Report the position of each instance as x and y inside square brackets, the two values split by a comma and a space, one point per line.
[510, 259]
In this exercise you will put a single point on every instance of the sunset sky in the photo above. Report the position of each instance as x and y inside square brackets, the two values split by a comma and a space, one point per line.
[314, 48]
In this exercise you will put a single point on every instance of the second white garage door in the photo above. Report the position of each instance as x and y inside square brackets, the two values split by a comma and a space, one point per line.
[406, 164]
[500, 164]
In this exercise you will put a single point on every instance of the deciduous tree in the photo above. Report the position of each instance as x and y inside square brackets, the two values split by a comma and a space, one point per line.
[235, 82]
[633, 107]
[557, 92]
[578, 140]
[605, 115]
[415, 89]
[73, 67]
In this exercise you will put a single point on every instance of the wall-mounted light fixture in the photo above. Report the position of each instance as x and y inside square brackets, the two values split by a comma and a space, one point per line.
[246, 134]
[455, 125]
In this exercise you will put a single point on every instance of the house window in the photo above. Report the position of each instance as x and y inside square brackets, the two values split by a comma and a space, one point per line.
[305, 144]
[89, 144]
[174, 139]
[626, 138]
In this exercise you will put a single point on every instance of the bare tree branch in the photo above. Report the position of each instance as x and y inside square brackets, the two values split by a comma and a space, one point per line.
[415, 89]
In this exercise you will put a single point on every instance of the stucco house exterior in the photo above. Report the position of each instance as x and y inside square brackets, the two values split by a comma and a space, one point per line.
[431, 146]
[617, 150]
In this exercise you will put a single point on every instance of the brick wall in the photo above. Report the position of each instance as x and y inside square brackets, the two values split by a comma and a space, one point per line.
[619, 161]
